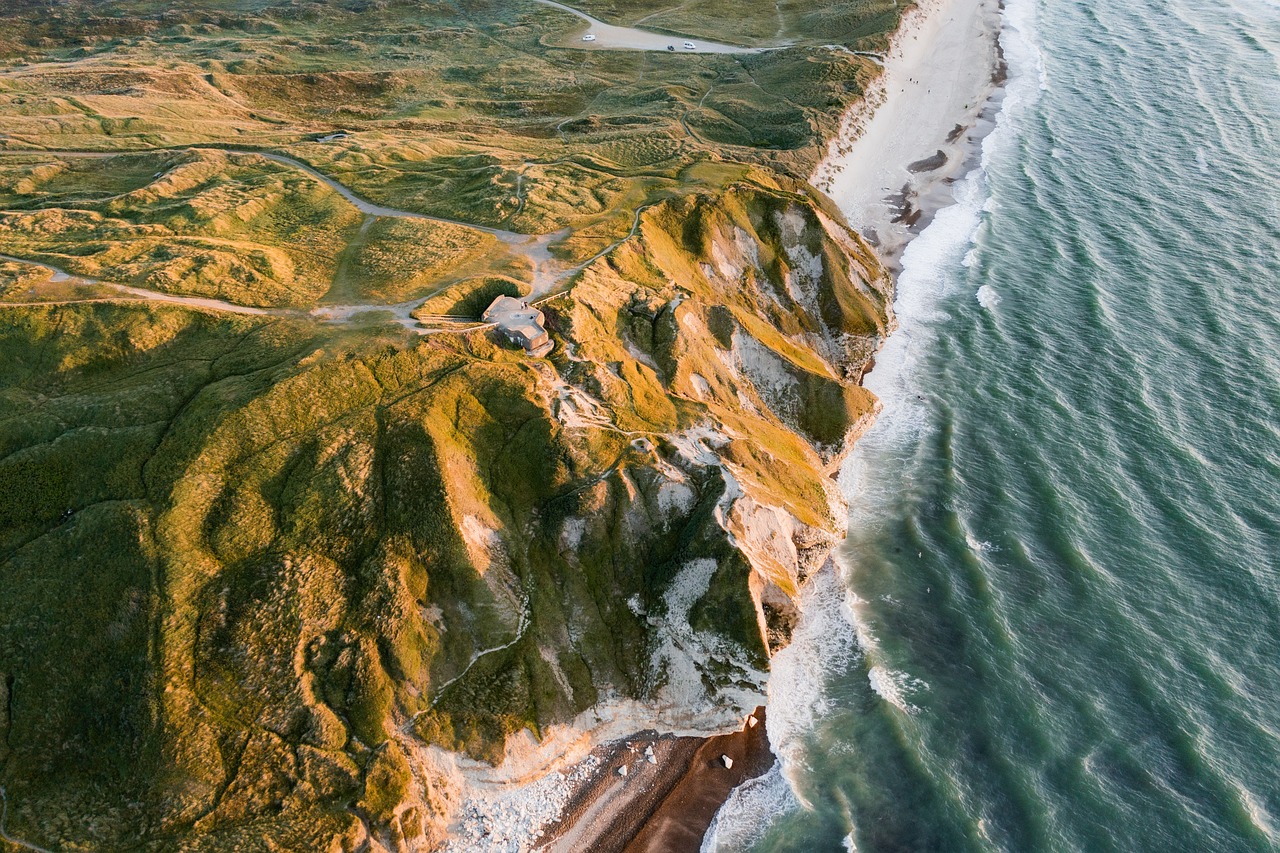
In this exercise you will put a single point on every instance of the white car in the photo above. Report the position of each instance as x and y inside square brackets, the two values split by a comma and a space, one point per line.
[690, 46]
[589, 37]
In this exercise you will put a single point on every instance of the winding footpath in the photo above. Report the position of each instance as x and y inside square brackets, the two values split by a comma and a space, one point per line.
[534, 247]
[4, 834]
[547, 272]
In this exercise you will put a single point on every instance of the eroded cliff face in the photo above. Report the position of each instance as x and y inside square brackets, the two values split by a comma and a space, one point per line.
[329, 550]
[752, 315]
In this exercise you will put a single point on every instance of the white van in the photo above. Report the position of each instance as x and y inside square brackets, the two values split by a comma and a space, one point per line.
[690, 46]
[589, 37]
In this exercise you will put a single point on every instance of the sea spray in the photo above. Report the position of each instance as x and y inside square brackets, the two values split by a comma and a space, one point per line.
[829, 638]
[825, 640]
[1064, 519]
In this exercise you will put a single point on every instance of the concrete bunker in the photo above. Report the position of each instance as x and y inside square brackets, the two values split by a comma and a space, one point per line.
[519, 323]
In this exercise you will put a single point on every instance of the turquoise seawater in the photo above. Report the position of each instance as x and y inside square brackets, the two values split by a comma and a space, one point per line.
[1059, 628]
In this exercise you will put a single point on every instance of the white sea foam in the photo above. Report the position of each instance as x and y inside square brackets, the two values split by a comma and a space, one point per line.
[979, 546]
[987, 297]
[751, 809]
[929, 264]
[829, 637]
[929, 276]
[825, 641]
[895, 687]
[1258, 814]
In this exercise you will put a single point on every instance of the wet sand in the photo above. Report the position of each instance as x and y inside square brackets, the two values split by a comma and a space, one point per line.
[670, 792]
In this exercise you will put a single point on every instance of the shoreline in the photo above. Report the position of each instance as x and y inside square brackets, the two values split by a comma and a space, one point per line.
[890, 172]
[921, 126]
[652, 793]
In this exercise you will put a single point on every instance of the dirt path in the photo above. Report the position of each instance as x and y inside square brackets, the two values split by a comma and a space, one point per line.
[548, 272]
[57, 275]
[534, 247]
[4, 814]
[609, 37]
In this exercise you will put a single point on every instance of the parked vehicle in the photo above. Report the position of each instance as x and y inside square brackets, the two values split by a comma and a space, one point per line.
[589, 37]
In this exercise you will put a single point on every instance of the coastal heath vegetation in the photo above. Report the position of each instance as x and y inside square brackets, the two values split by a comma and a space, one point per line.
[257, 570]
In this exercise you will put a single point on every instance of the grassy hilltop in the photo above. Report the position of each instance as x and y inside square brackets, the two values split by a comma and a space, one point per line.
[456, 110]
[251, 565]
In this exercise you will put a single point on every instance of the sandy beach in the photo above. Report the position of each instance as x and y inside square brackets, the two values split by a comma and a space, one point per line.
[897, 155]
[659, 794]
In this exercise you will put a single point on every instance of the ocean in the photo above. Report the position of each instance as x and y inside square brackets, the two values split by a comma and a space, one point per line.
[1057, 626]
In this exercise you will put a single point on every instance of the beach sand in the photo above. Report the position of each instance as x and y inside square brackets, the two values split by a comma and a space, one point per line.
[891, 169]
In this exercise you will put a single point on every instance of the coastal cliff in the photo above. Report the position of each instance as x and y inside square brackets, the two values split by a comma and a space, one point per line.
[377, 542]
[274, 582]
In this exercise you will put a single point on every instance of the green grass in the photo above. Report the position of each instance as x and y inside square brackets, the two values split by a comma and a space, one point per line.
[20, 282]
[203, 223]
[237, 553]
[395, 260]
[469, 299]
[296, 535]
[461, 113]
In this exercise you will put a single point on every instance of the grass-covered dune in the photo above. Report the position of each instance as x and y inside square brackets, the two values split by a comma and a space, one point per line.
[227, 225]
[461, 111]
[248, 563]
[201, 223]
[253, 568]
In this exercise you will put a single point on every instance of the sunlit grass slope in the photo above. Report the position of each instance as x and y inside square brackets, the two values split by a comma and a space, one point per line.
[461, 112]
[250, 566]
